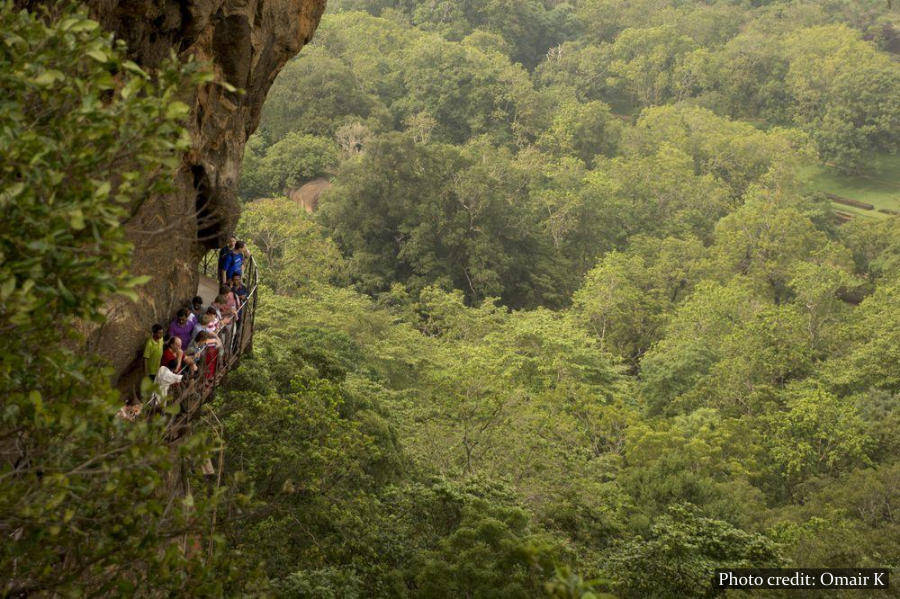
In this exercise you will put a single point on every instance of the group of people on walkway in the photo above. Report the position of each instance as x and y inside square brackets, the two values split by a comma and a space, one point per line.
[196, 337]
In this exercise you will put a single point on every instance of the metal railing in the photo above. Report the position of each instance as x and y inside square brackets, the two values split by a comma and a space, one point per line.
[213, 363]
[236, 337]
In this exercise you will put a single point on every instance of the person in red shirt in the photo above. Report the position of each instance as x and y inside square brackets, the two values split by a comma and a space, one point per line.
[211, 344]
[173, 355]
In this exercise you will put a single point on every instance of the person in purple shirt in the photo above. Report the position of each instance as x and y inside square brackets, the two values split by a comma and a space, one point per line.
[181, 327]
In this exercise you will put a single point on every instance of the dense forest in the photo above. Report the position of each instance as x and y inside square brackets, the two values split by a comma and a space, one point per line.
[577, 314]
[571, 317]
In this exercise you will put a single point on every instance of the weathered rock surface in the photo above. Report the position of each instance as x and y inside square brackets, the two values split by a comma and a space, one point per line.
[308, 194]
[247, 42]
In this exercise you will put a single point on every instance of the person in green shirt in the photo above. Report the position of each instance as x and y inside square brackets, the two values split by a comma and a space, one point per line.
[153, 351]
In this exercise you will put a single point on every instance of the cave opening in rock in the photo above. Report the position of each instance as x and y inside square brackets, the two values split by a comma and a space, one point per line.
[209, 227]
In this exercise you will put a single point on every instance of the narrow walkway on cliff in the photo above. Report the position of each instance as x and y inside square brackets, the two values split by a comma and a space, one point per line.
[195, 381]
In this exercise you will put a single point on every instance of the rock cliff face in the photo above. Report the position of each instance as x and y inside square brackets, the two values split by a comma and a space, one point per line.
[247, 42]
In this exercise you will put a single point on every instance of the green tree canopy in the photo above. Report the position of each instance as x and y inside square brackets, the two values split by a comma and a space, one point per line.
[288, 163]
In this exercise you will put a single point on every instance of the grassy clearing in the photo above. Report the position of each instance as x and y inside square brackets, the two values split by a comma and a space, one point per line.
[880, 186]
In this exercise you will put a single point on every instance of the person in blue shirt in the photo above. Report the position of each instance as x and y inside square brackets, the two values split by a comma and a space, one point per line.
[240, 292]
[237, 287]
[233, 263]
[225, 251]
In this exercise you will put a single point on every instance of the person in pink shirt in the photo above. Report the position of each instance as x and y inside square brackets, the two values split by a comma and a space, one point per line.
[226, 302]
[208, 322]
